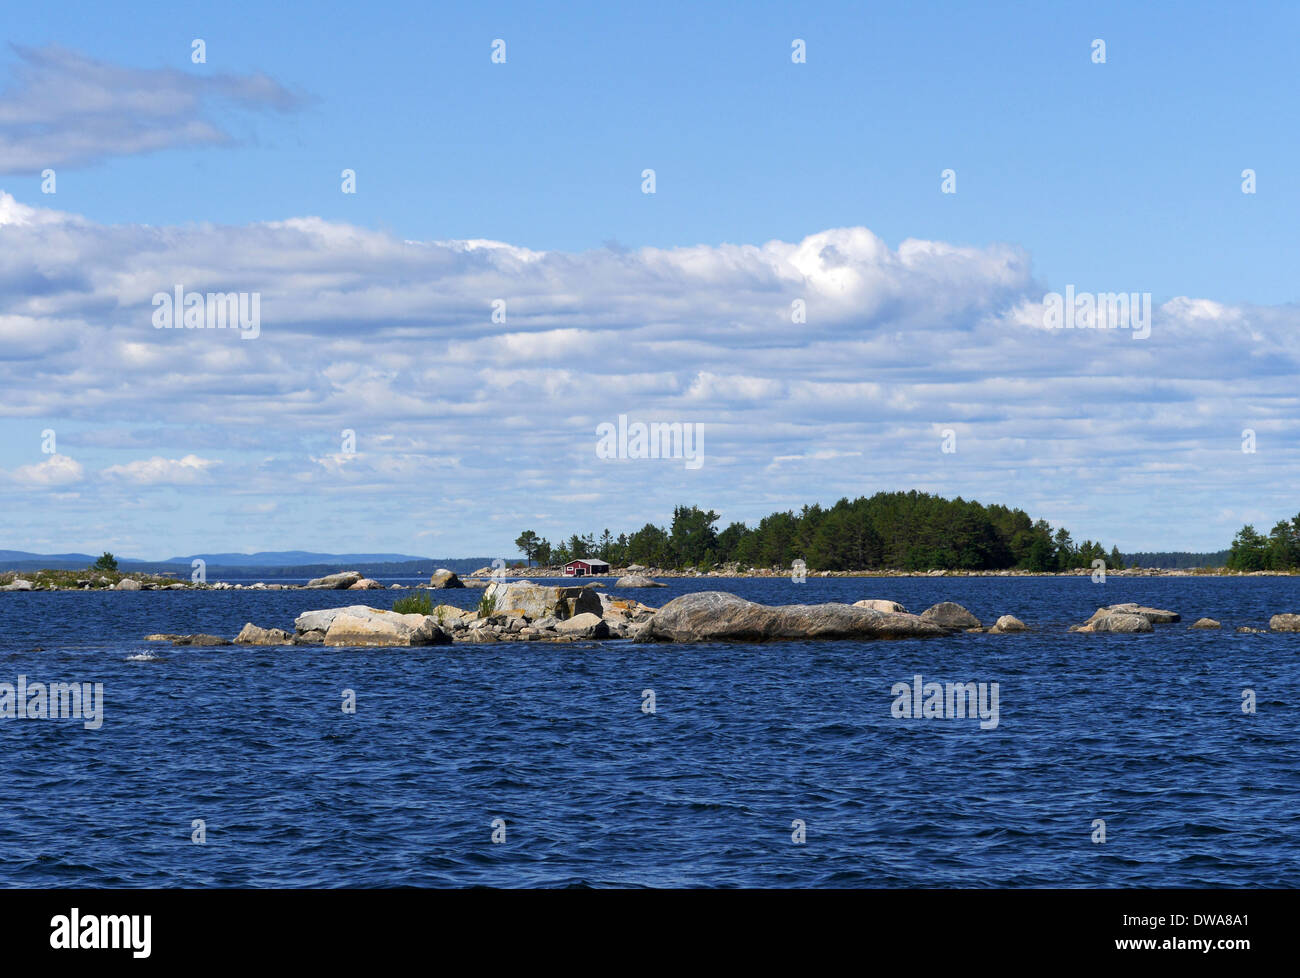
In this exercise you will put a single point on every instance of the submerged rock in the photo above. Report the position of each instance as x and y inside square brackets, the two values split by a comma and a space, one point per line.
[206, 640]
[719, 616]
[1205, 623]
[950, 615]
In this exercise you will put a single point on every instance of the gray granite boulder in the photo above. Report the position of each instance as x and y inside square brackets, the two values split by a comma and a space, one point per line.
[373, 627]
[585, 625]
[443, 578]
[252, 635]
[718, 616]
[949, 615]
[1156, 616]
[1285, 623]
[1117, 621]
[1008, 623]
[538, 601]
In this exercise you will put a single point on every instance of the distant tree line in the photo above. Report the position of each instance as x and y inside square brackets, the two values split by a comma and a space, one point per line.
[1279, 551]
[1176, 560]
[890, 530]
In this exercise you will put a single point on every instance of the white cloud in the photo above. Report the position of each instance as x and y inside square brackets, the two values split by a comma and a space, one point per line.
[57, 470]
[162, 471]
[394, 339]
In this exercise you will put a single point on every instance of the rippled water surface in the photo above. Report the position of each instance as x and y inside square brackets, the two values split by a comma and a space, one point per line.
[1145, 732]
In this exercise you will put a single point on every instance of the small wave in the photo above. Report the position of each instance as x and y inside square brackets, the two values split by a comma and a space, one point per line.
[143, 657]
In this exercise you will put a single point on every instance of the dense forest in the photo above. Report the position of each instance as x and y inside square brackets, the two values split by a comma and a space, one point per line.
[1279, 551]
[1176, 560]
[893, 531]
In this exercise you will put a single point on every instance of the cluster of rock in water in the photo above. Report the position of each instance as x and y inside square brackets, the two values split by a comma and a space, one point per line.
[346, 580]
[523, 611]
[100, 584]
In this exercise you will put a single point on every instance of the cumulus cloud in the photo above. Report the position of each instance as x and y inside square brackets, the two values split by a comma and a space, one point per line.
[1119, 438]
[63, 108]
[158, 471]
[57, 470]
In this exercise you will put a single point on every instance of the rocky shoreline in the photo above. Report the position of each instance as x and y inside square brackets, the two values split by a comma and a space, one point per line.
[785, 572]
[522, 611]
[342, 581]
[623, 577]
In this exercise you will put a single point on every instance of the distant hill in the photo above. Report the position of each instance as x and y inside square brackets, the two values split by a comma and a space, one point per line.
[293, 558]
[58, 560]
[1176, 560]
[268, 565]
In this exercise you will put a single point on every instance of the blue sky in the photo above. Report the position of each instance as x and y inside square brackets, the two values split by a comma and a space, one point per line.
[1122, 176]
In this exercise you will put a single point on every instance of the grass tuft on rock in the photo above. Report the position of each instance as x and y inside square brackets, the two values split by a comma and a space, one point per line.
[414, 604]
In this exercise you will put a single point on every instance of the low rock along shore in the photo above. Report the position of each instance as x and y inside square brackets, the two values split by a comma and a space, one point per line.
[522, 611]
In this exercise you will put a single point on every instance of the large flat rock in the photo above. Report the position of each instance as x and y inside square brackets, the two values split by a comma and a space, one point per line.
[1117, 621]
[710, 616]
[320, 621]
[358, 625]
[1157, 616]
[384, 628]
[335, 582]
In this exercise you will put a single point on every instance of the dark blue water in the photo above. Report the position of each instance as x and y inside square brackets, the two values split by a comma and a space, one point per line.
[1145, 732]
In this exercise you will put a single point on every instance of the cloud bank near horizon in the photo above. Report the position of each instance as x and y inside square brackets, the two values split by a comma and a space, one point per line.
[830, 366]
